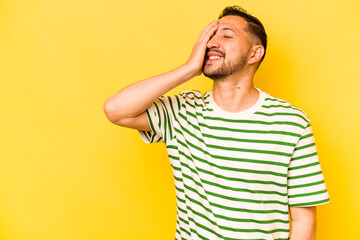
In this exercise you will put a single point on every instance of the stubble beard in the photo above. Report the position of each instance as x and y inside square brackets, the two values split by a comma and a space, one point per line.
[226, 69]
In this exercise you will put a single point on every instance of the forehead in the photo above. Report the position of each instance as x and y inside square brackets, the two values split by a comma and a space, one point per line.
[236, 23]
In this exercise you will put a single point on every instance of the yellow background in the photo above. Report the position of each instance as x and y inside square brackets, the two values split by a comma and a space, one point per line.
[66, 172]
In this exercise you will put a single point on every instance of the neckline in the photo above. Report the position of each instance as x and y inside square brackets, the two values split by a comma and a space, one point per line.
[241, 114]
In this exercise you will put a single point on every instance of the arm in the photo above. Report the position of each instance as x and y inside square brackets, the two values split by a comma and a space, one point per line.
[127, 107]
[303, 223]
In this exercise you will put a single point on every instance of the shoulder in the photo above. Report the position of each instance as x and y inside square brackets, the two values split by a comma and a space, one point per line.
[274, 106]
[192, 97]
[191, 94]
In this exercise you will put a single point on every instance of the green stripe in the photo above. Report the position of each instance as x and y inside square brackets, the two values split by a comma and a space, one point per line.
[192, 94]
[305, 175]
[238, 189]
[306, 136]
[146, 134]
[196, 104]
[180, 200]
[237, 230]
[238, 130]
[231, 218]
[206, 228]
[306, 185]
[309, 203]
[232, 169]
[282, 114]
[307, 194]
[241, 120]
[249, 150]
[173, 157]
[231, 208]
[305, 146]
[151, 126]
[172, 147]
[233, 149]
[183, 220]
[179, 189]
[238, 169]
[158, 112]
[173, 112]
[247, 210]
[224, 227]
[249, 131]
[225, 187]
[275, 99]
[176, 168]
[304, 156]
[304, 166]
[187, 223]
[249, 160]
[249, 140]
[233, 159]
[178, 232]
[178, 179]
[167, 126]
[254, 121]
[232, 178]
[232, 198]
[178, 102]
[282, 106]
[219, 195]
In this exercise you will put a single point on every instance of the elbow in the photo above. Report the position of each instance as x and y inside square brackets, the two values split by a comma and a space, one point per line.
[111, 112]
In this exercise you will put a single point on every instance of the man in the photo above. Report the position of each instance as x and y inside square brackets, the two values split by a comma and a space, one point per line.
[242, 159]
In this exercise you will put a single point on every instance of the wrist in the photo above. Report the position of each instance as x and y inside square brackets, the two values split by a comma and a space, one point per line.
[190, 70]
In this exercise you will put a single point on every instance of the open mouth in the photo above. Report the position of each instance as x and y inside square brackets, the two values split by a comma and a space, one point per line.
[213, 56]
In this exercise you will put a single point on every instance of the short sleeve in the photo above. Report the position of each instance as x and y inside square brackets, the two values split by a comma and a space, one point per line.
[306, 186]
[162, 115]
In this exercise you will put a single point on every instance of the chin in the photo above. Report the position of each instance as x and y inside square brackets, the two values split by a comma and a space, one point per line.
[213, 75]
[210, 70]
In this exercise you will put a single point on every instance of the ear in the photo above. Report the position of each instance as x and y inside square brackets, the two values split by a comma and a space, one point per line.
[256, 53]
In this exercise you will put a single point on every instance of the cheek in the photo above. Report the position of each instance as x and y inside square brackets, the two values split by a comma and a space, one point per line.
[235, 53]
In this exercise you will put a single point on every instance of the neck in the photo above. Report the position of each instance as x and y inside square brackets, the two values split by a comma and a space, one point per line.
[235, 94]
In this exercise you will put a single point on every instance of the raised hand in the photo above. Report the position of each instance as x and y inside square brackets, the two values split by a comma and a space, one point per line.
[197, 56]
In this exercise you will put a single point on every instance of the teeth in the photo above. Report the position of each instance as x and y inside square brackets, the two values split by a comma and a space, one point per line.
[214, 57]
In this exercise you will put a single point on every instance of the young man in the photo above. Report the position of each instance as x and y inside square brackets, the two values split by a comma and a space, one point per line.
[241, 158]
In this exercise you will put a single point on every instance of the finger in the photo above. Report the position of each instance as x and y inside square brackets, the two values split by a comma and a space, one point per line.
[213, 23]
[209, 33]
[207, 28]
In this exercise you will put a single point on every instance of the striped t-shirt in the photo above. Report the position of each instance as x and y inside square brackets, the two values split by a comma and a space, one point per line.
[237, 174]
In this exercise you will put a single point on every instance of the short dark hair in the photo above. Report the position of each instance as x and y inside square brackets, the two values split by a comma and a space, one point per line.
[255, 27]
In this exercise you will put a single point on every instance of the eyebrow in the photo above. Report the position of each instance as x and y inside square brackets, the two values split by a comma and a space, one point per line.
[229, 29]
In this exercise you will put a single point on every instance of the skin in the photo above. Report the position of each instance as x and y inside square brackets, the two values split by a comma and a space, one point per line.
[303, 223]
[233, 89]
[234, 92]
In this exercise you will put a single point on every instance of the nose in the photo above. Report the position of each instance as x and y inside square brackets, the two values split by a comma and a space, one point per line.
[213, 42]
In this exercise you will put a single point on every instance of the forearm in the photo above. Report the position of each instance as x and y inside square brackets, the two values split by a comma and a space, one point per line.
[303, 230]
[136, 98]
[133, 100]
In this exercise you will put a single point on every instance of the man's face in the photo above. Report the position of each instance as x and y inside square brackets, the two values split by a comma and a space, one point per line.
[228, 49]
